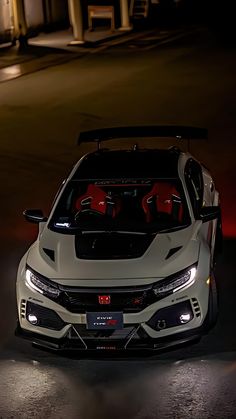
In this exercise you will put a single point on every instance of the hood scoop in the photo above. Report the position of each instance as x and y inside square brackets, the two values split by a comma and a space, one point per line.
[173, 251]
[114, 245]
[50, 253]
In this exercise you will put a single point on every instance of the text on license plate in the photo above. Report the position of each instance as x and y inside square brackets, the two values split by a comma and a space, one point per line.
[105, 320]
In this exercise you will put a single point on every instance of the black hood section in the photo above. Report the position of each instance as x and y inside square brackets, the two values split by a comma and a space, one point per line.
[115, 245]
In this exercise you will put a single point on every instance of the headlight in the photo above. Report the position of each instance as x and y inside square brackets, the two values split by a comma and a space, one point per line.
[175, 282]
[41, 284]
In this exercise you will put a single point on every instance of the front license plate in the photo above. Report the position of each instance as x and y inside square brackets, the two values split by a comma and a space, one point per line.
[105, 321]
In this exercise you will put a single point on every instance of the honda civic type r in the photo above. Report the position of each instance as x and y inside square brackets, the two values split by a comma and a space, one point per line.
[125, 259]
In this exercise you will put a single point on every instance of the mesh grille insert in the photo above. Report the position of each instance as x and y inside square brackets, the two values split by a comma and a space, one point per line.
[122, 300]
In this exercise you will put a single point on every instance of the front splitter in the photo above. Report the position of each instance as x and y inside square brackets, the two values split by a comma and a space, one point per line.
[119, 345]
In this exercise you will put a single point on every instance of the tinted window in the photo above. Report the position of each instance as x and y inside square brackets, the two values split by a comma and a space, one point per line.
[128, 164]
[126, 204]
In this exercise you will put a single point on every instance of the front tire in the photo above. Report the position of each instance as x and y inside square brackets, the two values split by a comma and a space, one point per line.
[213, 305]
[218, 248]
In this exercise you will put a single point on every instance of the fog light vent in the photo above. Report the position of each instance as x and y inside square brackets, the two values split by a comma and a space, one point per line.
[23, 308]
[43, 317]
[196, 307]
[172, 316]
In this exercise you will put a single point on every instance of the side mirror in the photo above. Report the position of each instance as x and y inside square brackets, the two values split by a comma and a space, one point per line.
[209, 213]
[34, 216]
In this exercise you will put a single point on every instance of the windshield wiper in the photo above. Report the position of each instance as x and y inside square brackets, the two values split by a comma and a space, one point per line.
[140, 233]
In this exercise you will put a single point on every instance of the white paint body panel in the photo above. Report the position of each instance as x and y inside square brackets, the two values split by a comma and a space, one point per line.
[152, 267]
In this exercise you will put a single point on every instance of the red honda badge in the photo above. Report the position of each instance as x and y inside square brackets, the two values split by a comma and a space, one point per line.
[104, 299]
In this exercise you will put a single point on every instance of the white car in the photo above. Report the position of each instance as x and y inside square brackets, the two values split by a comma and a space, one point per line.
[125, 260]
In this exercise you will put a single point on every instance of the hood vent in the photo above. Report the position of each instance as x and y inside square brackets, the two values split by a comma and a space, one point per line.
[173, 251]
[114, 245]
[50, 253]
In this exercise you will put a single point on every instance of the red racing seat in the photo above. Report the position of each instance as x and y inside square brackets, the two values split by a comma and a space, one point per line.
[163, 198]
[98, 200]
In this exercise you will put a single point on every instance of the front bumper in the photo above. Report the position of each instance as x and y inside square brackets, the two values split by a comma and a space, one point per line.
[131, 337]
[65, 330]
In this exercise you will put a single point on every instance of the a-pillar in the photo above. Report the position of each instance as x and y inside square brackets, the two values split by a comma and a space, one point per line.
[124, 14]
[20, 25]
[76, 20]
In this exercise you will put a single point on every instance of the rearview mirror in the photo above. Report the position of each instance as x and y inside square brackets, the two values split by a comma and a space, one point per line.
[34, 216]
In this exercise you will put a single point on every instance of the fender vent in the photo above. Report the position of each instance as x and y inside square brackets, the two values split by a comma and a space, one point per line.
[196, 307]
[50, 253]
[23, 308]
[173, 251]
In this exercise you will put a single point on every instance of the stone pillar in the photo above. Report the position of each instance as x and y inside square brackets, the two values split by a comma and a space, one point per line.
[47, 12]
[76, 20]
[20, 25]
[124, 14]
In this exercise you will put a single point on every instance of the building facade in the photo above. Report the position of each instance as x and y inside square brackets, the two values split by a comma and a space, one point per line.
[29, 17]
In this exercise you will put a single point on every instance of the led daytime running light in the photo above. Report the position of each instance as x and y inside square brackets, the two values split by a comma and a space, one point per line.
[191, 274]
[39, 285]
[176, 283]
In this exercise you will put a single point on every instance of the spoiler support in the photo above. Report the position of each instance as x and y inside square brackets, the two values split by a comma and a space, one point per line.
[177, 131]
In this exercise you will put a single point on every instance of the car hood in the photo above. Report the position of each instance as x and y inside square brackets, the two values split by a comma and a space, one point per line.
[53, 255]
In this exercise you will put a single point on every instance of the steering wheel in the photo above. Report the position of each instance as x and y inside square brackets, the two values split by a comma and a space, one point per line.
[87, 213]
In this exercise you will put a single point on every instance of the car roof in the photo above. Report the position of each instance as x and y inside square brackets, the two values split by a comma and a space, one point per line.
[137, 163]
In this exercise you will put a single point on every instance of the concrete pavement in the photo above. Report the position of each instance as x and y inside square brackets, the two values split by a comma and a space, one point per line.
[48, 49]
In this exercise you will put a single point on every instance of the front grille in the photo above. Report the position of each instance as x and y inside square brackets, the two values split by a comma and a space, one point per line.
[81, 301]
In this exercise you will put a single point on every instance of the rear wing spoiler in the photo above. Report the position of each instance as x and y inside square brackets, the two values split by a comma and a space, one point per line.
[177, 131]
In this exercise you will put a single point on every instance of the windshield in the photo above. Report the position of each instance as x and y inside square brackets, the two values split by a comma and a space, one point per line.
[121, 205]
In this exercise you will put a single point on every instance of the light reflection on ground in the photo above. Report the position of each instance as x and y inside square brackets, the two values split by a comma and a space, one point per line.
[95, 389]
